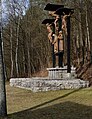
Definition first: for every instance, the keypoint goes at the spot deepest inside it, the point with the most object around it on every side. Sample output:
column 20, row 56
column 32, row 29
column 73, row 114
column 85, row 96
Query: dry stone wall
column 44, row 84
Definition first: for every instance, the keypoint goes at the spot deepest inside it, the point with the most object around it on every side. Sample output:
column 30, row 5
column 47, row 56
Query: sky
column 17, row 3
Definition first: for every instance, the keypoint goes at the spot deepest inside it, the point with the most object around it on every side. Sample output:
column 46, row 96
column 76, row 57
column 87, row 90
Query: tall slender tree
column 3, row 111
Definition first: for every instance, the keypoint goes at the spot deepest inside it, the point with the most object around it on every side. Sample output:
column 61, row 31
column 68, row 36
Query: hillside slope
column 85, row 72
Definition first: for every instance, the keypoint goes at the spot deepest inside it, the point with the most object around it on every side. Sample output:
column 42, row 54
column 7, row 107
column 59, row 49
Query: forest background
column 27, row 49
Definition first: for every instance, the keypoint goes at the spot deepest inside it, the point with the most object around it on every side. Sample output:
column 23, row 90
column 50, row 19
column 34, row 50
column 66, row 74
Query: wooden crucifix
column 66, row 14
column 51, row 30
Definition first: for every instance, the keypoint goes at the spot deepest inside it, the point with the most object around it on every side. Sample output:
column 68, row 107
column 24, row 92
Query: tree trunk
column 17, row 45
column 12, row 62
column 80, row 35
column 87, row 26
column 3, row 110
column 87, row 37
column 29, row 63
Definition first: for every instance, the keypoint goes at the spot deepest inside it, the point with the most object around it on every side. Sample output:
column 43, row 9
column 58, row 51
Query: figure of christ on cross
column 50, row 32
column 52, row 13
column 64, row 22
column 50, row 35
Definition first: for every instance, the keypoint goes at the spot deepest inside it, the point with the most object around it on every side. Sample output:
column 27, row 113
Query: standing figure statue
column 61, row 41
column 55, row 43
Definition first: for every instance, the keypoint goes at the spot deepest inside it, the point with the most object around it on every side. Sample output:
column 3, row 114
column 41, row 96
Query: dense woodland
column 27, row 49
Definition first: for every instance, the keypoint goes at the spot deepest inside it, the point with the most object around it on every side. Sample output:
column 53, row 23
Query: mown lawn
column 63, row 104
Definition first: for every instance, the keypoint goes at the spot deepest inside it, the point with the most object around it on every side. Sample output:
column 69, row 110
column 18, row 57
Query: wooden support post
column 53, row 54
column 60, row 54
column 61, row 59
column 68, row 46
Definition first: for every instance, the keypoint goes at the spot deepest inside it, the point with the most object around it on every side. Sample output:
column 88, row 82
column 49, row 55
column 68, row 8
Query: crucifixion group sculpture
column 58, row 28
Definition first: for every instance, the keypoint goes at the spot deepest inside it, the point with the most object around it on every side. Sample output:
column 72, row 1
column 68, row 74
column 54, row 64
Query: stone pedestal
column 61, row 73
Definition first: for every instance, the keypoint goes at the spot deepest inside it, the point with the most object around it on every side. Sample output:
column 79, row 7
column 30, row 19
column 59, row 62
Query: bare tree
column 3, row 111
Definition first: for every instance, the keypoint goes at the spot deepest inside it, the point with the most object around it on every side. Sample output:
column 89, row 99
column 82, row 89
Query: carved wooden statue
column 49, row 32
column 64, row 22
column 61, row 41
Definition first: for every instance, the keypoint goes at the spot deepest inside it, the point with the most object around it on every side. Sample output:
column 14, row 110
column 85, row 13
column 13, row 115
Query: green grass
column 63, row 104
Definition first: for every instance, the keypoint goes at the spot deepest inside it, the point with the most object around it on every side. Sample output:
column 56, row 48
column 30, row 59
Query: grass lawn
column 63, row 104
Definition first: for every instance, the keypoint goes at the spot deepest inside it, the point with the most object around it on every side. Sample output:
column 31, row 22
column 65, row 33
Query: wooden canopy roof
column 48, row 21
column 53, row 7
column 62, row 11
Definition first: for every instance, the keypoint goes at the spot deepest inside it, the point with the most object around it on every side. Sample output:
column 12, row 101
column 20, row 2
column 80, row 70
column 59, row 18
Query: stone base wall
column 44, row 84
column 61, row 73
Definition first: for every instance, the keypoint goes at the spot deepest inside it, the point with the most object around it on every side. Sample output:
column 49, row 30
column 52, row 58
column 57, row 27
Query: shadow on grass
column 66, row 110
column 63, row 96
